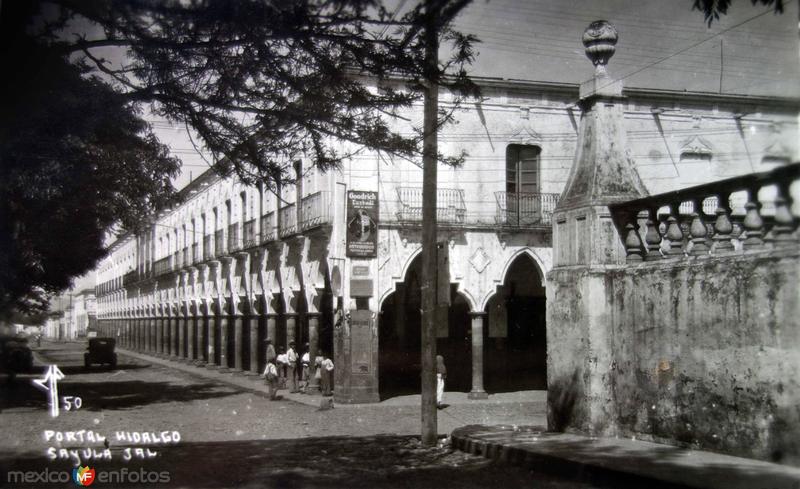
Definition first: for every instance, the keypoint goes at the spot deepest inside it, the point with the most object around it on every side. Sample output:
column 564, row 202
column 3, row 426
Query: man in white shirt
column 327, row 375
column 291, row 368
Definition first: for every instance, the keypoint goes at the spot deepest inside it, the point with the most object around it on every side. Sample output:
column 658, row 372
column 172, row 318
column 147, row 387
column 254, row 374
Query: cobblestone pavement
column 234, row 438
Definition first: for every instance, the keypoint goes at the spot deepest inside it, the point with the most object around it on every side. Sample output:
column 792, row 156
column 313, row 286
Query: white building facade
column 233, row 265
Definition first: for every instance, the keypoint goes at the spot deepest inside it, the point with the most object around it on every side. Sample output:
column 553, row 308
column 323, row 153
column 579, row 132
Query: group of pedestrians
column 295, row 369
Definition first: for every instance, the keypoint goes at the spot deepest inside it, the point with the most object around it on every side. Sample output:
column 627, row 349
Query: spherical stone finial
column 599, row 39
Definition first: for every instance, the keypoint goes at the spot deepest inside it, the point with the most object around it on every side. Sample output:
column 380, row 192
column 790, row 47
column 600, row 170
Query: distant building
column 212, row 278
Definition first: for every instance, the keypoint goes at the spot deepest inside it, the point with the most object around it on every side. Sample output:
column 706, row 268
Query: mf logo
column 83, row 476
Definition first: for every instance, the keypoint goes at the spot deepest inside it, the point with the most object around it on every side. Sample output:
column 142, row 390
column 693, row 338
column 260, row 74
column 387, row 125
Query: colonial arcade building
column 335, row 262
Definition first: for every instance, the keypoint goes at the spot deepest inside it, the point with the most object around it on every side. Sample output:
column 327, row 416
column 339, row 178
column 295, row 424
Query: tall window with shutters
column 523, row 205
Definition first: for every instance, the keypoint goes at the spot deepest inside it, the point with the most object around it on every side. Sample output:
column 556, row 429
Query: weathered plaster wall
column 701, row 352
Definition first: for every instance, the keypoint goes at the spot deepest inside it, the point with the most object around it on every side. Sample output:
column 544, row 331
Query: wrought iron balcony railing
column 316, row 210
column 234, row 241
column 525, row 209
column 219, row 242
column 288, row 220
column 162, row 266
column 268, row 227
column 249, row 236
column 208, row 247
column 450, row 207
column 130, row 278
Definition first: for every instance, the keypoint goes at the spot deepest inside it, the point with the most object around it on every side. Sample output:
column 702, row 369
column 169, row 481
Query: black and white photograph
column 306, row 244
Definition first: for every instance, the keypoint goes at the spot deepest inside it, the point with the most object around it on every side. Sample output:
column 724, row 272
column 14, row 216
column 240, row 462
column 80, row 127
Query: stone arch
column 540, row 264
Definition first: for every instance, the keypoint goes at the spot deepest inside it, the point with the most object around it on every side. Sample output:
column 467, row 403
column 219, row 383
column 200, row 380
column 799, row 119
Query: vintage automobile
column 100, row 351
column 15, row 354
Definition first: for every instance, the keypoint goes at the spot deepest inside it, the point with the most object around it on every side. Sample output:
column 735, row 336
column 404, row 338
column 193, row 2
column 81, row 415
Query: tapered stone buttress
column 238, row 346
column 477, row 391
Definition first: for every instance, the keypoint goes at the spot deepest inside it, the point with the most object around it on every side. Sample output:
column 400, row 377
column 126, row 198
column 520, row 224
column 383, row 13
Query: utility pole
column 429, row 184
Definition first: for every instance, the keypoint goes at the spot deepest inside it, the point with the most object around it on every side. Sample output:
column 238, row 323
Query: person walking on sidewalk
column 291, row 367
column 271, row 376
column 441, row 375
column 270, row 356
column 304, row 369
column 281, row 363
column 327, row 375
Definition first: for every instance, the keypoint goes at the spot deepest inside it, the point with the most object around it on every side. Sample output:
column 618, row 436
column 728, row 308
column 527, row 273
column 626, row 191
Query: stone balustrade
column 752, row 212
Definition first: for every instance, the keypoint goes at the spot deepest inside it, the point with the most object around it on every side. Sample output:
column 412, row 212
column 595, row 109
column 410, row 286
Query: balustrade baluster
column 753, row 223
column 674, row 235
column 722, row 230
column 698, row 233
column 653, row 237
column 633, row 243
column 784, row 224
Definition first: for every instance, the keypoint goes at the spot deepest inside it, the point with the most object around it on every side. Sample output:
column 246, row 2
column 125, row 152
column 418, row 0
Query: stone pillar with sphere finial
column 587, row 243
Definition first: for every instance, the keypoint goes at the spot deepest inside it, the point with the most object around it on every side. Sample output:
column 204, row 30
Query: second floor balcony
column 234, row 240
column 162, row 266
column 249, row 235
column 219, row 242
column 288, row 220
column 450, row 206
column 316, row 210
column 130, row 278
column 208, row 247
column 268, row 228
column 516, row 209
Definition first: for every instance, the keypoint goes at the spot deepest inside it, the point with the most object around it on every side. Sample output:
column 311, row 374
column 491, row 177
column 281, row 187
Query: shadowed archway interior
column 515, row 338
column 399, row 339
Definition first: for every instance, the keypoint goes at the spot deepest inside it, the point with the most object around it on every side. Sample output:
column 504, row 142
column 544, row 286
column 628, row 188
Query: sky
column 541, row 40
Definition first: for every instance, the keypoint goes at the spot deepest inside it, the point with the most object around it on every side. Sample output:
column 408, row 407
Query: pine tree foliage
column 261, row 82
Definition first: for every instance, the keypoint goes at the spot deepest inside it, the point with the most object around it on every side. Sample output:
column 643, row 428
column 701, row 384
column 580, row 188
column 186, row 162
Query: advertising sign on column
column 362, row 224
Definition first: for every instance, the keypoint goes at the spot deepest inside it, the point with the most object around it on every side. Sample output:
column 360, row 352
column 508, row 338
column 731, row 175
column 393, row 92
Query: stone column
column 238, row 326
column 272, row 329
column 211, row 340
column 291, row 328
column 137, row 333
column 313, row 347
column 172, row 334
column 252, row 328
column 191, row 328
column 200, row 323
column 150, row 326
column 586, row 246
column 182, row 322
column 160, row 335
column 477, row 391
column 223, row 322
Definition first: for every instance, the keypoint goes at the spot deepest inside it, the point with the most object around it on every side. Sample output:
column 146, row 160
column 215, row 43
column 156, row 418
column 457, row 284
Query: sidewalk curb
column 547, row 455
column 557, row 466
